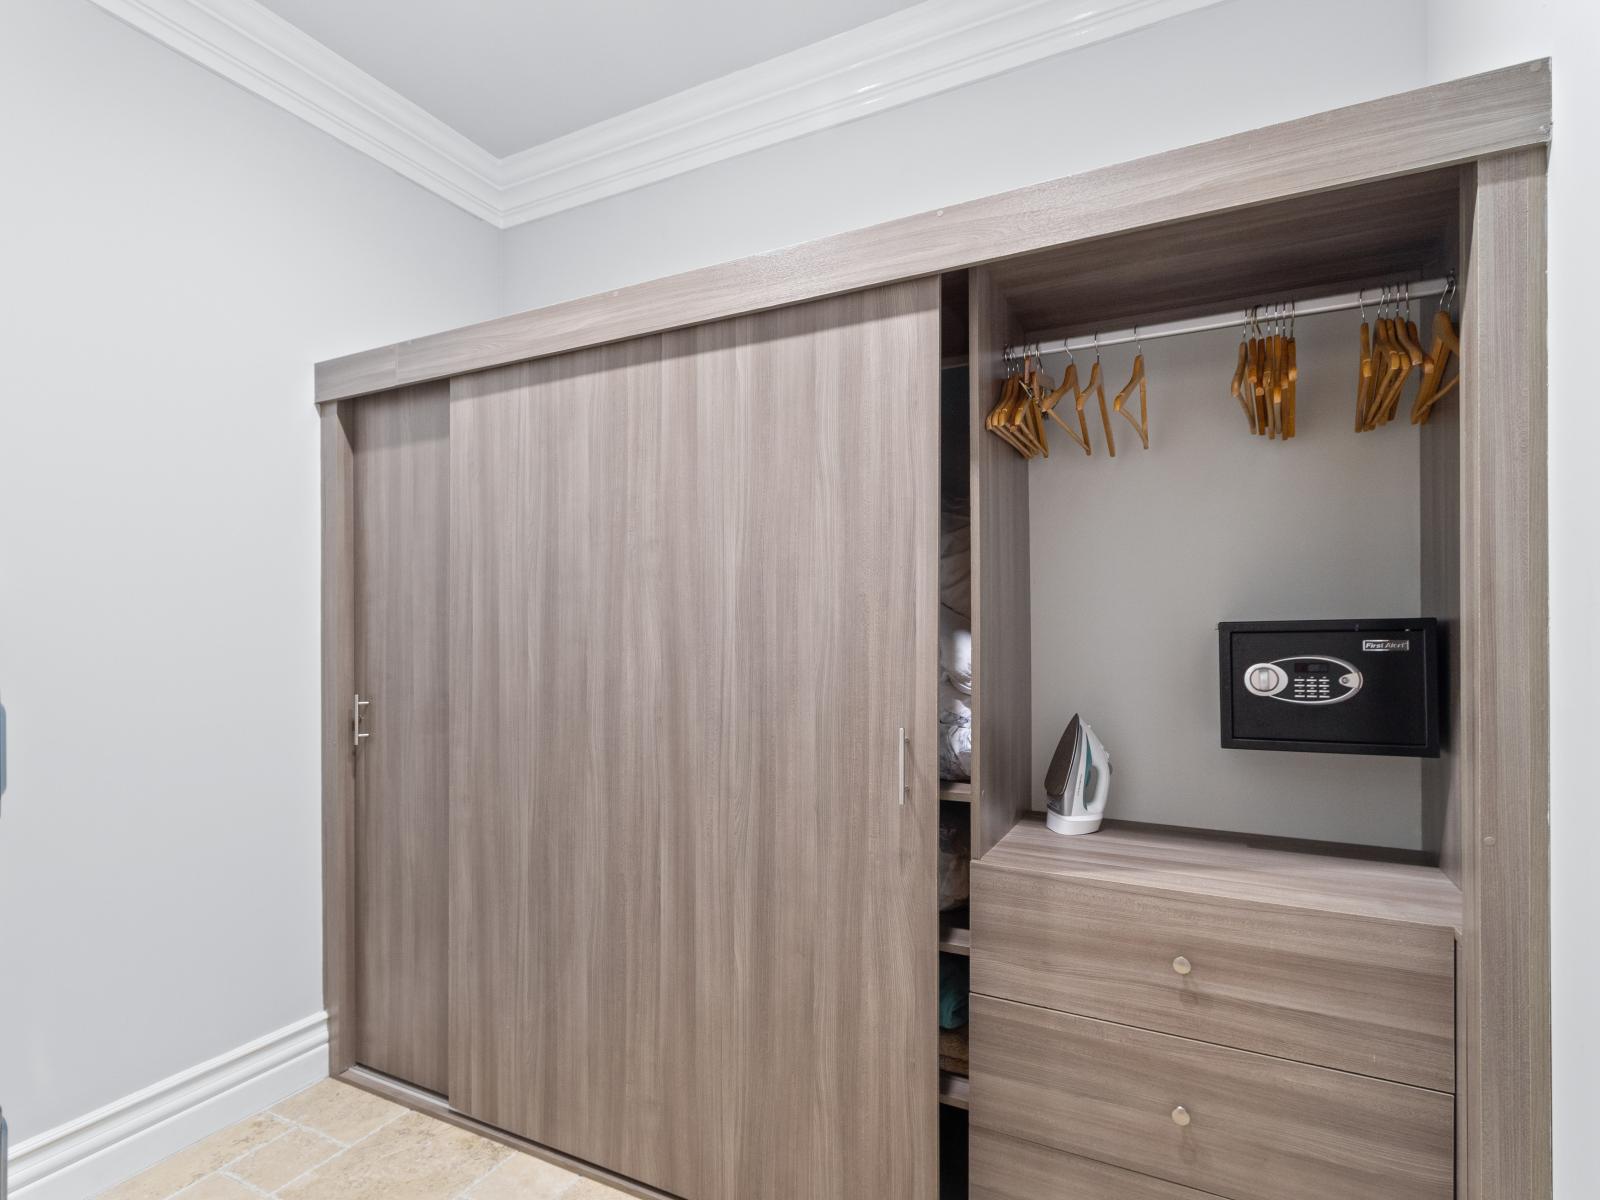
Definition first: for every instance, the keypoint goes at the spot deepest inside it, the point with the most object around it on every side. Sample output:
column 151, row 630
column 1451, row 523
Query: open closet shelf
column 953, row 1090
column 1228, row 866
column 1385, row 232
column 954, row 937
column 955, row 791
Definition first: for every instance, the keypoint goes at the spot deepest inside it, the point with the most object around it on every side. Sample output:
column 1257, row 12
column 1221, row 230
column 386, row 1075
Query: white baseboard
column 84, row 1157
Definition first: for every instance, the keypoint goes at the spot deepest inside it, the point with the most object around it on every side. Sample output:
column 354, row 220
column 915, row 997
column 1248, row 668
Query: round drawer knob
column 1180, row 1115
column 1182, row 965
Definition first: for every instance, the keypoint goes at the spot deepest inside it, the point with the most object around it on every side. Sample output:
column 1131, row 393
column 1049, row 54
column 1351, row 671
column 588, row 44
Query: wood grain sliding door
column 693, row 927
column 401, row 450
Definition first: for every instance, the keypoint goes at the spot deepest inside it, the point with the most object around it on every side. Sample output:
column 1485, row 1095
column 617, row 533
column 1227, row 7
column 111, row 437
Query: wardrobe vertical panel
column 693, row 603
column 402, row 506
column 564, row 537
column 1002, row 689
column 338, row 628
column 1505, row 947
column 1441, row 454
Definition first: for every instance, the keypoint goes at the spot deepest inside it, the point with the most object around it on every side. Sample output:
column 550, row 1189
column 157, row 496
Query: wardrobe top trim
column 1420, row 130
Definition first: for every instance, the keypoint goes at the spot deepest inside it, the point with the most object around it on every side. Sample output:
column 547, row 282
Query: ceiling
column 517, row 109
column 514, row 75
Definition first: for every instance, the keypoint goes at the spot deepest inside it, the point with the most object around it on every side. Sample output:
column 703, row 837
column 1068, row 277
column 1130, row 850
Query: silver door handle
column 903, row 786
column 355, row 720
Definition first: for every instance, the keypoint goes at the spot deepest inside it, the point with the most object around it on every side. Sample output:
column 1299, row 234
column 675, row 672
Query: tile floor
column 337, row 1142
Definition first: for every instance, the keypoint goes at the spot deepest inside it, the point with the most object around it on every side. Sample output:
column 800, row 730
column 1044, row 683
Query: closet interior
column 1243, row 417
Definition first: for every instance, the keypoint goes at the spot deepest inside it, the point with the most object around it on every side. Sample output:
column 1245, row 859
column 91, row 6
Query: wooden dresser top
column 1152, row 858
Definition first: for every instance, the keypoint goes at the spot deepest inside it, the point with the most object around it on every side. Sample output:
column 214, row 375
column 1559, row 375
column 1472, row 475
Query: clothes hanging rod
column 1369, row 297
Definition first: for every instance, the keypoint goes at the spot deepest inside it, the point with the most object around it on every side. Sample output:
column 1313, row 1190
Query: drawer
column 1006, row 1168
column 1257, row 1128
column 1351, row 992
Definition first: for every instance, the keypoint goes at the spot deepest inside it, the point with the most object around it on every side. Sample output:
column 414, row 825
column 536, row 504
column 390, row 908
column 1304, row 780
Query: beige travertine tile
column 523, row 1177
column 412, row 1158
column 183, row 1168
column 218, row 1187
column 344, row 1113
column 289, row 1157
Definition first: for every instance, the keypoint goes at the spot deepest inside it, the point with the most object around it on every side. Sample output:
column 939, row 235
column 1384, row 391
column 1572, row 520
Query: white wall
column 174, row 255
column 1217, row 71
column 1476, row 35
column 1135, row 560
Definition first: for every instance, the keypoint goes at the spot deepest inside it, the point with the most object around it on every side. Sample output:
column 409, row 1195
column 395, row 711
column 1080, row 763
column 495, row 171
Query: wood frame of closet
column 1495, row 127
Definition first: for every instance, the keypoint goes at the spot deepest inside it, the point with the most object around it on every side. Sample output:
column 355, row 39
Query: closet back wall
column 1135, row 560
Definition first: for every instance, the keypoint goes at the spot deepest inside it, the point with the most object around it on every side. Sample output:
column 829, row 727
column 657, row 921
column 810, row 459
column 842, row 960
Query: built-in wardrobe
column 632, row 708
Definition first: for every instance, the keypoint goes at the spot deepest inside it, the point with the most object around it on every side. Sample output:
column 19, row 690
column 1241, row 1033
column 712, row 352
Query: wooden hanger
column 1033, row 386
column 1364, row 377
column 1237, row 389
column 1385, row 364
column 1390, row 366
column 1069, row 385
column 1098, row 387
column 1018, row 415
column 1274, row 354
column 1403, row 332
column 998, row 421
column 1272, row 379
column 1291, row 375
column 1446, row 343
column 1256, row 374
column 1142, row 425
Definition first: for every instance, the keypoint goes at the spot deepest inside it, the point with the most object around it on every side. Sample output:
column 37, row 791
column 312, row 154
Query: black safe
column 1331, row 687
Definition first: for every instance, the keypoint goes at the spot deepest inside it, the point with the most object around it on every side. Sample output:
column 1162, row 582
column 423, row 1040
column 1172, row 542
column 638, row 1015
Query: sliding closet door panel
column 402, row 508
column 809, row 886
column 563, row 543
column 693, row 605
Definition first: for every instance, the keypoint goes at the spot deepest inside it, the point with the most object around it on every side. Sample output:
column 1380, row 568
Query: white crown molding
column 86, row 1156
column 906, row 56
column 261, row 52
column 917, row 52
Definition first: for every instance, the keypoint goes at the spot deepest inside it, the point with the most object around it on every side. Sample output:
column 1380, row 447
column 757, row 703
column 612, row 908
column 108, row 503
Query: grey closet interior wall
column 1136, row 559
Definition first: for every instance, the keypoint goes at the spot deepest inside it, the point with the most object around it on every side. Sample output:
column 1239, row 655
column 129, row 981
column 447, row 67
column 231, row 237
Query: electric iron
column 1078, row 781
